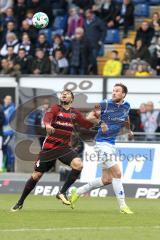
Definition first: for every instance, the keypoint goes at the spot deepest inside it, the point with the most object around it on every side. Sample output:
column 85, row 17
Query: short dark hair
column 68, row 90
column 124, row 88
column 115, row 51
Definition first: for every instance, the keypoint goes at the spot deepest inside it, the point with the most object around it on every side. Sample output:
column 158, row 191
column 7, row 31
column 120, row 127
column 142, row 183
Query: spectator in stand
column 26, row 44
column 23, row 61
column 4, row 66
column 108, row 13
column 79, row 53
column 136, row 125
column 156, row 59
column 113, row 67
column 2, row 119
column 8, row 132
column 8, row 16
column 10, row 54
column 29, row 16
column 125, row 16
column 134, row 66
column 155, row 19
column 11, row 28
column 74, row 20
column 145, row 33
column 42, row 43
column 149, row 120
column 19, row 11
column 142, row 52
column 95, row 33
column 57, row 43
column 4, row 4
column 41, row 64
column 142, row 71
column 96, row 8
column 30, row 30
column 42, row 6
column 155, row 40
column 8, row 68
column 59, row 62
column 129, row 53
column 11, row 40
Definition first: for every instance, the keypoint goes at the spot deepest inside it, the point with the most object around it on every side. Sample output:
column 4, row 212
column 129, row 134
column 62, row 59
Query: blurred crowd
column 7, row 110
column 75, row 38
column 146, row 120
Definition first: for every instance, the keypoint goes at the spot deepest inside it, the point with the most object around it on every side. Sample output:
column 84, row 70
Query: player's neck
column 66, row 106
column 119, row 102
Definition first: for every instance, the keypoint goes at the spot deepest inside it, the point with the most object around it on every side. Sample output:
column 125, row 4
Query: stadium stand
column 16, row 19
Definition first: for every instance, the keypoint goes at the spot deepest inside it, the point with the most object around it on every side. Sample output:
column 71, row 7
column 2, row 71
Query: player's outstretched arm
column 83, row 121
column 92, row 118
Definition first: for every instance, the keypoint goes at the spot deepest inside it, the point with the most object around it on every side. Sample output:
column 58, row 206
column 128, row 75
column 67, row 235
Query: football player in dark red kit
column 59, row 122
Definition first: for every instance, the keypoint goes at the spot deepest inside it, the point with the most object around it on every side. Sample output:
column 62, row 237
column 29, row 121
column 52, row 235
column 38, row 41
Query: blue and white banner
column 140, row 163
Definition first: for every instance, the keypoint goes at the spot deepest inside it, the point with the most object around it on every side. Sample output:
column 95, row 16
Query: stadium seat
column 60, row 22
column 154, row 2
column 141, row 10
column 112, row 36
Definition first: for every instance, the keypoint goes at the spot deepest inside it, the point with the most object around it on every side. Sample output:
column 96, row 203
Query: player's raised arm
column 83, row 121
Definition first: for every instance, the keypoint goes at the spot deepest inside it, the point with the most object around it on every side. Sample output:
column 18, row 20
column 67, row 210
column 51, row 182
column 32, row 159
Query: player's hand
column 130, row 135
column 104, row 127
column 92, row 117
column 50, row 130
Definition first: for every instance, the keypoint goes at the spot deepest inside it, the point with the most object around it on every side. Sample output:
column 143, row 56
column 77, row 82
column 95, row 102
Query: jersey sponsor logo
column 60, row 115
column 67, row 124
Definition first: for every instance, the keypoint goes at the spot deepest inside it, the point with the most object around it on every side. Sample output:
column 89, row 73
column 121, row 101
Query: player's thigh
column 70, row 157
column 106, row 154
column 115, row 171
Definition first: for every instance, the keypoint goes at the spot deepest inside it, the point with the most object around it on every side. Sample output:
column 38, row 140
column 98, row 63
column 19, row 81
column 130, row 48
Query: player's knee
column 37, row 175
column 77, row 164
column 118, row 174
column 106, row 180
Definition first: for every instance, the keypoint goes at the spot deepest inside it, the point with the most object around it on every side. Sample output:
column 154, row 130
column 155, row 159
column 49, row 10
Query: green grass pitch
column 45, row 218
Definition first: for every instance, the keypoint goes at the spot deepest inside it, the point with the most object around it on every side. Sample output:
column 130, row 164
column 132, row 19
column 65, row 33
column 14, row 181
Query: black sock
column 74, row 174
column 30, row 184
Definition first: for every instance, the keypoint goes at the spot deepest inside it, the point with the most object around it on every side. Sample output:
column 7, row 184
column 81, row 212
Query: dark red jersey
column 64, row 123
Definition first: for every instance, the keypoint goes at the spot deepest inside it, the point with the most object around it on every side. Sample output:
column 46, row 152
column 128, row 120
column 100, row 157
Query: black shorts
column 47, row 158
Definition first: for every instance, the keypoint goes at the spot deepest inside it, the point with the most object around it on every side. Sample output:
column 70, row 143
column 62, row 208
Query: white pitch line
column 78, row 228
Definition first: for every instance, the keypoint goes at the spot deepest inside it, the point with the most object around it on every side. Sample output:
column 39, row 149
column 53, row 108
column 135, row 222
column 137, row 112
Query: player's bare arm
column 128, row 126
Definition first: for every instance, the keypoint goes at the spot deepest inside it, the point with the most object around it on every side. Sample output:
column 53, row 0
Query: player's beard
column 65, row 103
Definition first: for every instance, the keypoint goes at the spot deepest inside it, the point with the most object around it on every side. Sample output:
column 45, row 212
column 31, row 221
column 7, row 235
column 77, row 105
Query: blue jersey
column 114, row 115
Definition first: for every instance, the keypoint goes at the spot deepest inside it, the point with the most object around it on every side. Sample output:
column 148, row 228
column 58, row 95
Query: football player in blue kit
column 114, row 115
